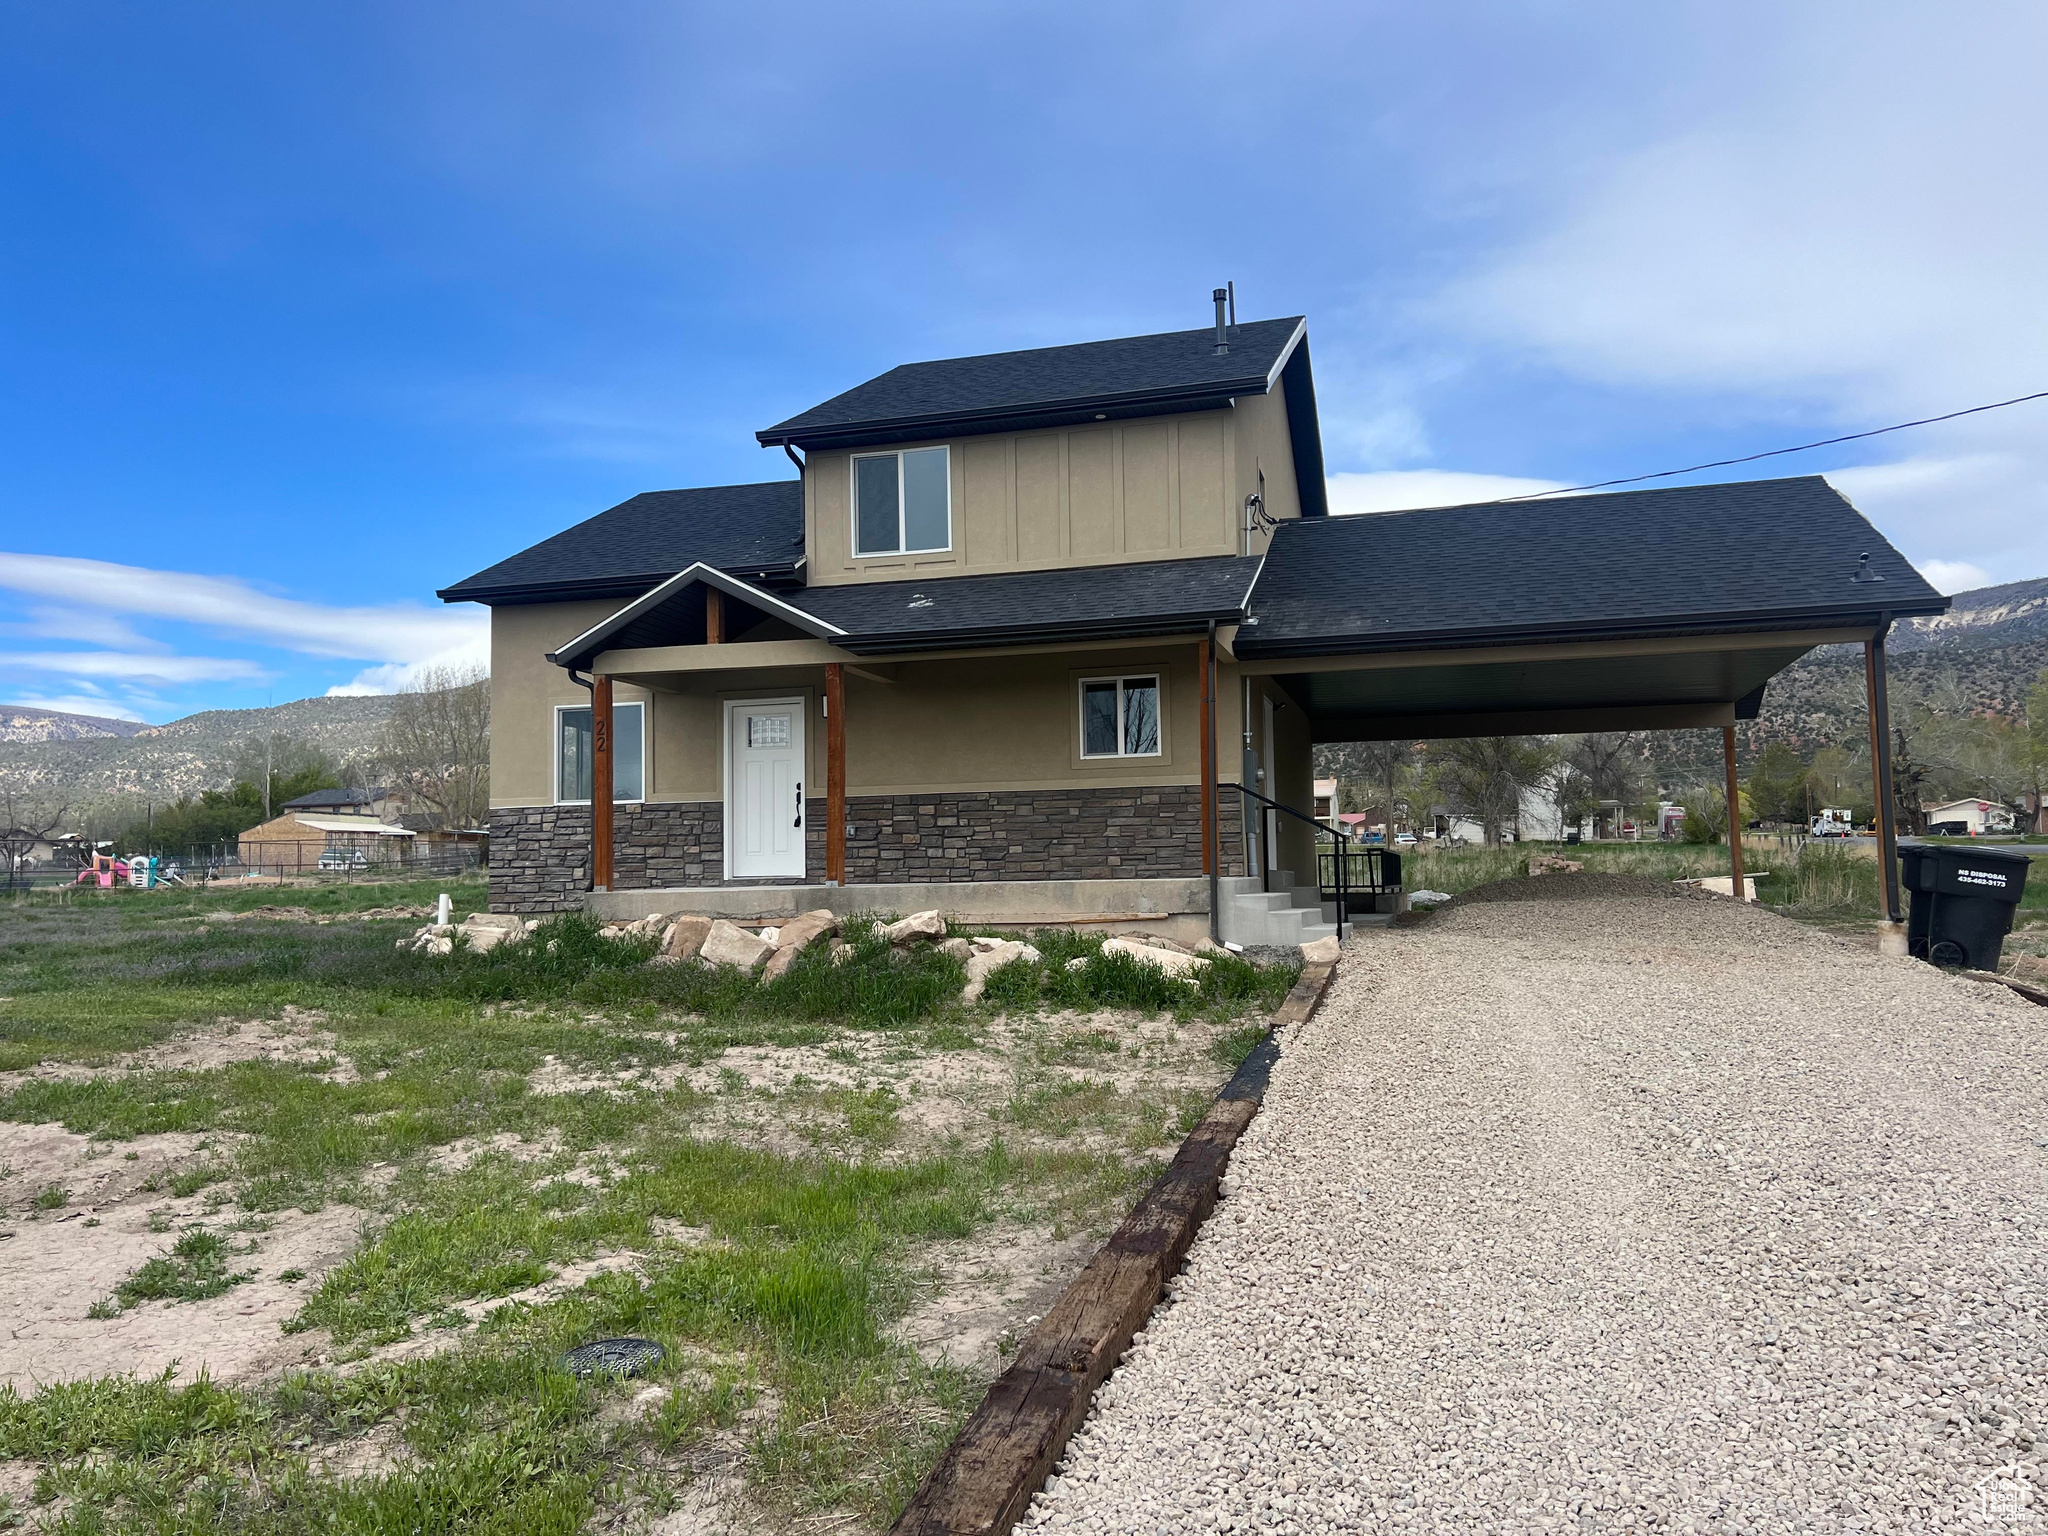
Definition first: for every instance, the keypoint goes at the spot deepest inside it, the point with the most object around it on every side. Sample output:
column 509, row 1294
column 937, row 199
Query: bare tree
column 27, row 817
column 1484, row 777
column 436, row 745
column 1381, row 766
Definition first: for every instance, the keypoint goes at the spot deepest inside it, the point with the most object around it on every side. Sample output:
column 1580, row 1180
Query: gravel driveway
column 1602, row 1214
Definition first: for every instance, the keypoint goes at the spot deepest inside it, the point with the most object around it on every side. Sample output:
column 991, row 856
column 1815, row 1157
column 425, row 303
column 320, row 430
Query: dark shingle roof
column 1154, row 597
column 750, row 530
column 1753, row 553
column 324, row 798
column 1047, row 386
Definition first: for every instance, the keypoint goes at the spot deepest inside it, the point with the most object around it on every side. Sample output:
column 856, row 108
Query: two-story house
column 1026, row 628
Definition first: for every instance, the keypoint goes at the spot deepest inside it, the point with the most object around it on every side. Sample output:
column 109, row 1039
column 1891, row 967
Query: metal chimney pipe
column 1222, row 297
column 1231, row 288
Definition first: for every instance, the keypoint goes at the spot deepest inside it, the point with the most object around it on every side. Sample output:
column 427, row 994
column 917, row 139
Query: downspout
column 1213, row 832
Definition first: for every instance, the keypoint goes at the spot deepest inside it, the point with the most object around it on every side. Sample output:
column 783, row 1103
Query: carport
column 1647, row 610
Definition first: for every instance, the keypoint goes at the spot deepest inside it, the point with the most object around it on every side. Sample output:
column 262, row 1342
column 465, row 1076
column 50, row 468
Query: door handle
column 799, row 804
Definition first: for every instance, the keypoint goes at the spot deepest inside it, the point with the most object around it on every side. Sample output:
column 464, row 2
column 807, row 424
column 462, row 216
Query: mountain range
column 85, row 759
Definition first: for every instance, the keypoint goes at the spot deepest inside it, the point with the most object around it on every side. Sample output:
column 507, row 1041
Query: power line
column 1751, row 458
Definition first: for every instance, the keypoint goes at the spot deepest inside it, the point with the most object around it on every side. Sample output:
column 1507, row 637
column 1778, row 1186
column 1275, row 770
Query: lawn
column 299, row 1223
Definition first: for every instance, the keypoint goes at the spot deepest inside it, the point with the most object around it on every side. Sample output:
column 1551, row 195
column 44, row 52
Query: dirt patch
column 302, row 915
column 1562, row 887
column 297, row 1037
column 990, row 1289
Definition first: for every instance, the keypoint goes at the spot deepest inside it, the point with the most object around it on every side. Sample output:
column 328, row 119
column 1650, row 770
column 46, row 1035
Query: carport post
column 1881, row 769
column 1737, row 889
column 600, row 782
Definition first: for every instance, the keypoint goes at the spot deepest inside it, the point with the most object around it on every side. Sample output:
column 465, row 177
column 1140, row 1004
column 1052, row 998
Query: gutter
column 1250, row 645
column 1208, row 395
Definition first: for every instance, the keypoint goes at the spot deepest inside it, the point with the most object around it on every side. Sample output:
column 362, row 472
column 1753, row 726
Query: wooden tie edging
column 1005, row 1452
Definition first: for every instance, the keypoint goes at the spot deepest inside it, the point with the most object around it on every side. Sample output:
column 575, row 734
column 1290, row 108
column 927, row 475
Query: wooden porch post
column 1205, row 661
column 1881, row 771
column 835, row 772
column 1740, row 891
column 714, row 616
column 600, row 783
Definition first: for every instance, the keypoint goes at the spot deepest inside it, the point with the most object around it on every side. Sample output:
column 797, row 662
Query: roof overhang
column 592, row 641
column 1019, row 418
column 1644, row 682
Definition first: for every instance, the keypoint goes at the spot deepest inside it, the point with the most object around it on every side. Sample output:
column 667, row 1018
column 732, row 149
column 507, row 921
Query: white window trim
column 1119, row 678
column 555, row 750
column 902, row 511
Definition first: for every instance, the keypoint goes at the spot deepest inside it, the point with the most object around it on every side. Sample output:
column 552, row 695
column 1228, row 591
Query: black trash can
column 1963, row 901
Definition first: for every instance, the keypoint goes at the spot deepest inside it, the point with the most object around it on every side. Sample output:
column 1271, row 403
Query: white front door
column 764, row 789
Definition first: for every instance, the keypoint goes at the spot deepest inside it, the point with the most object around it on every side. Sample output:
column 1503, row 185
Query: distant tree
column 2037, row 751
column 436, row 745
column 1382, row 768
column 27, row 817
column 1483, row 778
column 1595, row 767
column 289, row 766
column 1777, row 784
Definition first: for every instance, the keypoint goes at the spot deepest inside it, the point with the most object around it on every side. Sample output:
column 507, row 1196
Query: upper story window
column 574, row 754
column 902, row 503
column 1120, row 716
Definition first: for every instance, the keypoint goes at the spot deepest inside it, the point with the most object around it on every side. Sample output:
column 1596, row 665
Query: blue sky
column 307, row 311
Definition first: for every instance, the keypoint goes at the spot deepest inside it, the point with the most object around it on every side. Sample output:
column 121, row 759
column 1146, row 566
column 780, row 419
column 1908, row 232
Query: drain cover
column 621, row 1357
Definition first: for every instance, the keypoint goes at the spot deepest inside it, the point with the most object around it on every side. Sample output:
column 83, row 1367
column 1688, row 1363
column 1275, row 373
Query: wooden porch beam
column 835, row 773
column 1739, row 890
column 714, row 616
column 601, row 782
column 1205, row 666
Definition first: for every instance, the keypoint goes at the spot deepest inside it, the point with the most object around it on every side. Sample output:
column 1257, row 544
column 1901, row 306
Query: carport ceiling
column 1476, row 697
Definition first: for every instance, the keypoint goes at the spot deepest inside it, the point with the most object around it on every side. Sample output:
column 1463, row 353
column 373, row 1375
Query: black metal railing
column 1368, row 870
column 1340, row 857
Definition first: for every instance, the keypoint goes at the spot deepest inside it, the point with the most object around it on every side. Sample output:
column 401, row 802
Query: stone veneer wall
column 540, row 855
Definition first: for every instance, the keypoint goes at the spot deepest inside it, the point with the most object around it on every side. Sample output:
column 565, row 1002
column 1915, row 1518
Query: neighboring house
column 1966, row 818
column 1327, row 810
column 1023, row 623
column 384, row 804
column 296, row 840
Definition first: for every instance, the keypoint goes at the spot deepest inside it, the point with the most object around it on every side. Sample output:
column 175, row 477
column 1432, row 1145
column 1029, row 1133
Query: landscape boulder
column 728, row 943
column 796, row 936
column 485, row 931
column 985, row 961
column 960, row 949
column 686, row 936
column 1321, row 951
column 1553, row 864
column 1170, row 961
column 918, row 928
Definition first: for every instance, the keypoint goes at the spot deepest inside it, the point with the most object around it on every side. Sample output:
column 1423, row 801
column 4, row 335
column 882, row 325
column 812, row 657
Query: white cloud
column 1852, row 233
column 1953, row 576
column 399, row 632
column 94, row 600
column 84, row 704
column 45, row 623
column 157, row 668
column 1398, row 489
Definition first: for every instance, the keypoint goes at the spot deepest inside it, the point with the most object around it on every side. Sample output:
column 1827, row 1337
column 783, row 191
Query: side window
column 574, row 754
column 1120, row 716
column 902, row 503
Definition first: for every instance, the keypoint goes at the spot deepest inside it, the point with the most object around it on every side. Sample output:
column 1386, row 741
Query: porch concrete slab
column 1163, row 906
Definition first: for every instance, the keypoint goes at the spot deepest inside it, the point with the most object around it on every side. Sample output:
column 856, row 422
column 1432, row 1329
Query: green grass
column 777, row 1321
column 1225, row 989
column 197, row 1267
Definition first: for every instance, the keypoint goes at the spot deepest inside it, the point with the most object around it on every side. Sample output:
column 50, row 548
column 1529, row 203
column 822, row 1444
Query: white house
column 1967, row 818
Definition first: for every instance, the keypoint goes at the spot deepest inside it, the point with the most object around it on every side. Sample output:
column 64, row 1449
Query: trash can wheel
column 1949, row 955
